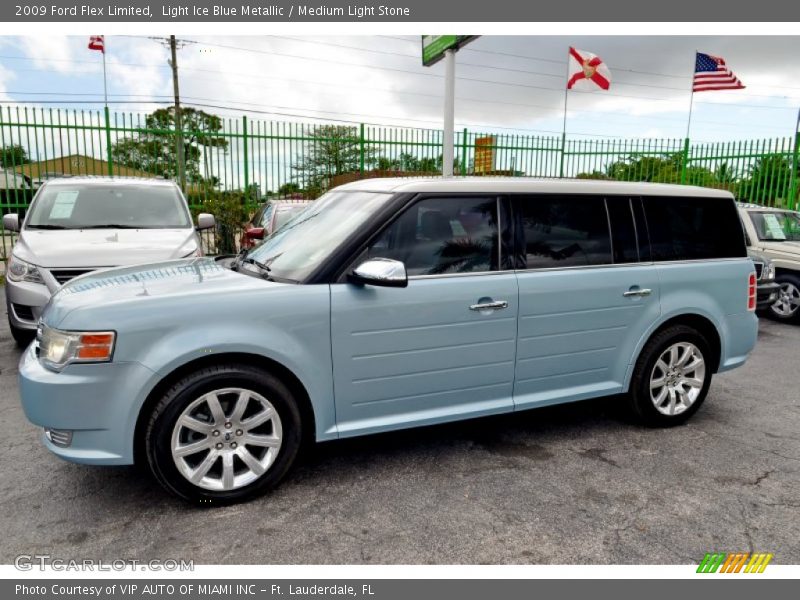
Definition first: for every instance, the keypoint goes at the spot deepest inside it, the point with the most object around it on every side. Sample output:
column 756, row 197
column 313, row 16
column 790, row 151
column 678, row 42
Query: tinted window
column 564, row 231
column 623, row 231
column 443, row 235
column 684, row 228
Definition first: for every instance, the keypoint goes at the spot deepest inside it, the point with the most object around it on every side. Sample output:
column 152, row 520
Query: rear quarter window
column 693, row 228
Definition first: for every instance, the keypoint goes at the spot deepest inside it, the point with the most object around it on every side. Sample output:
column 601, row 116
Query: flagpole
column 564, row 123
column 691, row 95
column 105, row 84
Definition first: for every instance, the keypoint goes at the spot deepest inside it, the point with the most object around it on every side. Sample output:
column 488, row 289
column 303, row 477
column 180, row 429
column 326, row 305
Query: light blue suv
column 388, row 304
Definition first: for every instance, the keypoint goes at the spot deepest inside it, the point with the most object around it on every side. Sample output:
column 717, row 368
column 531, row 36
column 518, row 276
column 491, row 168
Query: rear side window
column 623, row 230
column 563, row 231
column 686, row 228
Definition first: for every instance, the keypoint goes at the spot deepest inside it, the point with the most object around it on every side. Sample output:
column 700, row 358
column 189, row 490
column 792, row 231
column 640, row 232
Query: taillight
column 751, row 292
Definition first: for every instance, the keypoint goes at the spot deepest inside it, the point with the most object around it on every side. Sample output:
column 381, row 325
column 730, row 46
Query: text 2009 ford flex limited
column 388, row 304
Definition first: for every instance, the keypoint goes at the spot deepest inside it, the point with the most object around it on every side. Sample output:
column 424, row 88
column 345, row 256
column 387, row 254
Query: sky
column 505, row 84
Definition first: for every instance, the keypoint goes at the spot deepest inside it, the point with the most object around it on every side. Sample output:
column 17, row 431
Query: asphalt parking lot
column 570, row 484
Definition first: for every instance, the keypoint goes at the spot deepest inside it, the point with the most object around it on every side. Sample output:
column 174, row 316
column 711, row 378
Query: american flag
column 97, row 42
column 711, row 73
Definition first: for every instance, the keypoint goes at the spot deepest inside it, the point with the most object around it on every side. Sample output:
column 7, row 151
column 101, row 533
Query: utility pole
column 173, row 48
column 449, row 111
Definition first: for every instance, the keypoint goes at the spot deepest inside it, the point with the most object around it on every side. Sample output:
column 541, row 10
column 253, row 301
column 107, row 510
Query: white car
column 775, row 233
column 81, row 224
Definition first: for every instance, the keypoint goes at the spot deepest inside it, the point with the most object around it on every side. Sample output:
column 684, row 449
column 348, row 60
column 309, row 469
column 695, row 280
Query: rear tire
column 223, row 434
column 671, row 377
column 787, row 306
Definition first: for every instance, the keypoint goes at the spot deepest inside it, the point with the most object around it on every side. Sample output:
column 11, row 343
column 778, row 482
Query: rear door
column 428, row 352
column 587, row 294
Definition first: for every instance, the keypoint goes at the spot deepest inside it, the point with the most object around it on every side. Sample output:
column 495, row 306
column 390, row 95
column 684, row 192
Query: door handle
column 494, row 305
column 638, row 292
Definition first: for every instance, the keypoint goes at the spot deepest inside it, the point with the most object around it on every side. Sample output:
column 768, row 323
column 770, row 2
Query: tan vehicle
column 775, row 233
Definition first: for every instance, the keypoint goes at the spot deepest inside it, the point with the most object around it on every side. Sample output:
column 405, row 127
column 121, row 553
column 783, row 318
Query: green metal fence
column 233, row 164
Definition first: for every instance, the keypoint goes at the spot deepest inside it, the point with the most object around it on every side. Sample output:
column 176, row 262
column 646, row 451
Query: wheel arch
column 703, row 324
column 285, row 374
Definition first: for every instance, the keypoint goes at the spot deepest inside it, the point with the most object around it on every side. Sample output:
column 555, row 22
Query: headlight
column 59, row 348
column 769, row 271
column 19, row 270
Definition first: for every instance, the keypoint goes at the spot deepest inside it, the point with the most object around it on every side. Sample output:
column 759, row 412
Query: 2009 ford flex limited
column 389, row 304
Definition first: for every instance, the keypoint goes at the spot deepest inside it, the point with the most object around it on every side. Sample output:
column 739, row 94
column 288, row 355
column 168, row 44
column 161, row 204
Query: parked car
column 393, row 303
column 775, row 233
column 79, row 225
column 767, row 289
column 10, row 180
column 268, row 218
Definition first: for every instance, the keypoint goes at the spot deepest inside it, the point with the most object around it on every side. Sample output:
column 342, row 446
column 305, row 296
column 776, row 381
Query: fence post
column 361, row 150
column 246, row 162
column 108, row 143
column 464, row 153
column 685, row 161
column 563, row 152
column 793, row 173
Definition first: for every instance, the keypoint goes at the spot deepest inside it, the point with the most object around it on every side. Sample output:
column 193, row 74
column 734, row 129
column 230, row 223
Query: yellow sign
column 484, row 155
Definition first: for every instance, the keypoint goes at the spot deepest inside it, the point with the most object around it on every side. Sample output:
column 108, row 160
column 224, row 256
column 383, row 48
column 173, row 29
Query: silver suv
column 775, row 233
column 78, row 225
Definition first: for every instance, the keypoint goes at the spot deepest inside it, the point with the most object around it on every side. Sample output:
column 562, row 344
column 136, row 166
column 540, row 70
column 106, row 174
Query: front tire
column 671, row 377
column 223, row 434
column 787, row 306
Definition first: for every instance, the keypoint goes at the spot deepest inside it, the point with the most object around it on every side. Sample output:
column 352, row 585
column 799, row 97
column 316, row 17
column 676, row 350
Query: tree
column 13, row 156
column 770, row 180
column 153, row 150
column 289, row 188
column 335, row 149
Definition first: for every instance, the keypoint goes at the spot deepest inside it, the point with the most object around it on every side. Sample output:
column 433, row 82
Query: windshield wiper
column 265, row 270
column 45, row 227
column 110, row 226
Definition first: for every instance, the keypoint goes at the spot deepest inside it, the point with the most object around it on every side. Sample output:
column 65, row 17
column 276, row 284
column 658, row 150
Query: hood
column 147, row 289
column 103, row 247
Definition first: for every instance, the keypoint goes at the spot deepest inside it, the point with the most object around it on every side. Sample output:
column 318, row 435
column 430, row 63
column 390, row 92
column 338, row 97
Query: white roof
column 105, row 180
column 512, row 185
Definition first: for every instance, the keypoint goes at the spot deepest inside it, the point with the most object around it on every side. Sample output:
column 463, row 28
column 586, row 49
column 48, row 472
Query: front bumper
column 25, row 302
column 98, row 403
column 766, row 294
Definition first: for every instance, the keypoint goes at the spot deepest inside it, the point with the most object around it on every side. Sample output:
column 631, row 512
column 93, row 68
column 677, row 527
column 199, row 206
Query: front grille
column 759, row 269
column 59, row 437
column 62, row 276
column 23, row 312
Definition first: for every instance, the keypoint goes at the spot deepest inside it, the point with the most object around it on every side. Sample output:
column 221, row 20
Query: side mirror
column 206, row 221
column 383, row 272
column 11, row 222
column 256, row 233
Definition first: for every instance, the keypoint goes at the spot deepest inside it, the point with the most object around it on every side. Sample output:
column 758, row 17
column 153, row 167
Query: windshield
column 296, row 250
column 777, row 226
column 284, row 215
column 109, row 206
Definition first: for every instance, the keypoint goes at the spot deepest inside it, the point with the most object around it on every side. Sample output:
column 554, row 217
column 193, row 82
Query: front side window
column 687, row 228
column 100, row 206
column 439, row 236
column 564, row 231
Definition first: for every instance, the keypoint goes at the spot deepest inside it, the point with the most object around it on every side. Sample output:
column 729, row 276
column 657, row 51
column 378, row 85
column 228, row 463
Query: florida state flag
column 587, row 71
column 97, row 42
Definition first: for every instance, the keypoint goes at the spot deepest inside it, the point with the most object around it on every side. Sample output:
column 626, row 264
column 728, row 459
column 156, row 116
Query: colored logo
column 734, row 562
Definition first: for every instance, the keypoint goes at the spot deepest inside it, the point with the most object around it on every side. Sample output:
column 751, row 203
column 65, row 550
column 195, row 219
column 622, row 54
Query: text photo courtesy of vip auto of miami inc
column 397, row 299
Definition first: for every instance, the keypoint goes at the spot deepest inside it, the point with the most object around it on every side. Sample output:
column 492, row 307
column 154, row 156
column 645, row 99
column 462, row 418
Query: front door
column 432, row 351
